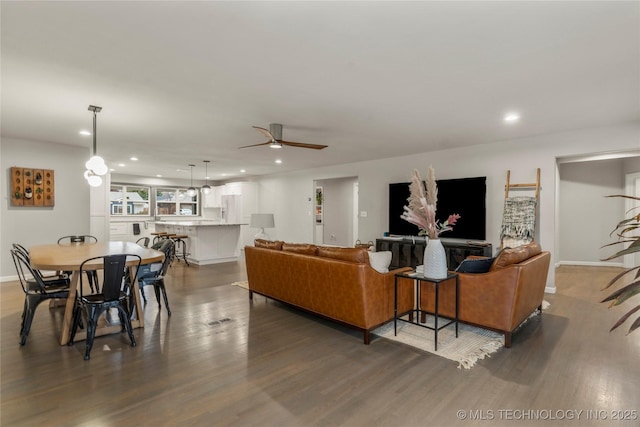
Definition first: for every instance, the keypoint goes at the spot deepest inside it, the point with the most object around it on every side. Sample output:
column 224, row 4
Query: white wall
column 337, row 212
column 287, row 194
column 586, row 217
column 36, row 225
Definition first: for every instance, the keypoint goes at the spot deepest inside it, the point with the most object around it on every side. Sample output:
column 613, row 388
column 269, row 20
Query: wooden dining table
column 69, row 256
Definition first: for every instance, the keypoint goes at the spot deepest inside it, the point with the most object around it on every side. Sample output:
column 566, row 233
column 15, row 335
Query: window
column 175, row 201
column 129, row 200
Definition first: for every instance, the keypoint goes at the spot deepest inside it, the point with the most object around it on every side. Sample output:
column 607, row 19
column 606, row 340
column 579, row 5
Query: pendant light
column 191, row 191
column 206, row 188
column 96, row 166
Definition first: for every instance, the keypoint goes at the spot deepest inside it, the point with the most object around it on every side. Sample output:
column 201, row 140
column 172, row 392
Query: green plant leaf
column 633, row 248
column 624, row 196
column 623, row 294
column 625, row 317
column 634, row 326
column 620, row 275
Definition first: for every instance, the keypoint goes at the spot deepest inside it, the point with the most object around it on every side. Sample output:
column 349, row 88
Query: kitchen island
column 209, row 242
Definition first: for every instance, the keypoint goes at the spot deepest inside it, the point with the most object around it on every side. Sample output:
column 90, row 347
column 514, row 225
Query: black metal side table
column 419, row 278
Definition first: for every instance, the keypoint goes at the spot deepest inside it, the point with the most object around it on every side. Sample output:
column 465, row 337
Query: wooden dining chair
column 113, row 295
column 35, row 291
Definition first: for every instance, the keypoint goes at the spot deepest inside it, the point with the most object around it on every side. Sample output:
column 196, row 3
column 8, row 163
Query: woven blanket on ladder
column 518, row 221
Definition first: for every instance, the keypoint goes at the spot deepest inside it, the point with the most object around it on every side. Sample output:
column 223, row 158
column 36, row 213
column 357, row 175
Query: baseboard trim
column 550, row 290
column 591, row 263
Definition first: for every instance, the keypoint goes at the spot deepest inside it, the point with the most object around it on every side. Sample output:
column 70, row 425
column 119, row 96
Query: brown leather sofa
column 336, row 283
column 500, row 299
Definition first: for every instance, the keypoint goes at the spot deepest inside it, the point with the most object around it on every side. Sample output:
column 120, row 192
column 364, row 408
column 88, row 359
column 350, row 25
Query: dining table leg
column 135, row 291
column 67, row 320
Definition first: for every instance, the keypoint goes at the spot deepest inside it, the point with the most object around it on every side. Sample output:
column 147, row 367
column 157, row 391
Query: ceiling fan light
column 275, row 144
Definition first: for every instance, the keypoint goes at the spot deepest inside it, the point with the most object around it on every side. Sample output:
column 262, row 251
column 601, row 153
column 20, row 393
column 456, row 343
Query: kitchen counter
column 209, row 242
column 198, row 223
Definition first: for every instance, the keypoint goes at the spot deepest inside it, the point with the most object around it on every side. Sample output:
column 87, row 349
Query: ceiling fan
column 274, row 133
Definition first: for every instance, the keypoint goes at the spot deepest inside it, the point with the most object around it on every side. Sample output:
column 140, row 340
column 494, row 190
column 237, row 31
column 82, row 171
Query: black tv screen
column 464, row 196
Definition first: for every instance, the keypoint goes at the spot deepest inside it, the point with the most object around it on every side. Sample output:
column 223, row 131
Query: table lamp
column 262, row 221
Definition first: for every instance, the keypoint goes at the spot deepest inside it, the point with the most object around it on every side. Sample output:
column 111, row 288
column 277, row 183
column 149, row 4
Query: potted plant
column 627, row 232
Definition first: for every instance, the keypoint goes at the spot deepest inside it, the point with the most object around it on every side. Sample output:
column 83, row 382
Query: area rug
column 243, row 284
column 472, row 344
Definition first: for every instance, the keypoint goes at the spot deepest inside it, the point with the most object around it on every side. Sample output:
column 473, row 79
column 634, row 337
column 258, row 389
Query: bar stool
column 181, row 245
column 158, row 235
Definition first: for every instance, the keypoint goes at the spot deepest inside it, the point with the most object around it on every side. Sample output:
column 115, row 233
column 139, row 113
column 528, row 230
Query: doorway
column 335, row 214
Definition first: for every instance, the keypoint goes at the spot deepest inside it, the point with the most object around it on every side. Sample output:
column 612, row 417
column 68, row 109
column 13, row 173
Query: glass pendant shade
column 97, row 165
column 206, row 188
column 191, row 191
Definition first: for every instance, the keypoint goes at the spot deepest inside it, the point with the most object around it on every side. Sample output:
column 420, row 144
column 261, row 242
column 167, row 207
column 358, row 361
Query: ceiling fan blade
column 303, row 145
column 265, row 132
column 256, row 145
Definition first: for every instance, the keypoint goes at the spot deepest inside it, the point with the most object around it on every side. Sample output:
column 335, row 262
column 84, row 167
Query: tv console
column 408, row 251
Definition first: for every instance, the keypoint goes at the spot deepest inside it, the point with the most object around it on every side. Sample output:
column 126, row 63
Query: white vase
column 435, row 260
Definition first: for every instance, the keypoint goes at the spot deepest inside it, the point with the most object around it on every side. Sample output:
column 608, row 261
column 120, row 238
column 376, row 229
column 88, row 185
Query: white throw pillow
column 380, row 261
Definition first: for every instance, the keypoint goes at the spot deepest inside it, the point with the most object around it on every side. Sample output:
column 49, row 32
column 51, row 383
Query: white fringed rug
column 472, row 344
column 244, row 284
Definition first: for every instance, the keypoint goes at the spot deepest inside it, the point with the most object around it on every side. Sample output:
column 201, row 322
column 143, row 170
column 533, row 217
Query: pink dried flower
column 421, row 210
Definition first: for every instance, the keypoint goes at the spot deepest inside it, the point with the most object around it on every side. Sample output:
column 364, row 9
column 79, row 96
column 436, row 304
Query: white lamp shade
column 260, row 220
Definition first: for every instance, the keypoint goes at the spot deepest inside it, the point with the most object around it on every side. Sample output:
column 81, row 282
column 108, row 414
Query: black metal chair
column 86, row 238
column 113, row 295
column 35, row 291
column 52, row 280
column 143, row 241
column 153, row 274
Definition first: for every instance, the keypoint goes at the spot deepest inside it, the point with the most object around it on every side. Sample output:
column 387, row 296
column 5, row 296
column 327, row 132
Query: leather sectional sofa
column 336, row 283
column 503, row 297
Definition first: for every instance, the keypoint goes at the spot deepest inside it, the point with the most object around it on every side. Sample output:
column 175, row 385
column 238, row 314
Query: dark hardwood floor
column 221, row 360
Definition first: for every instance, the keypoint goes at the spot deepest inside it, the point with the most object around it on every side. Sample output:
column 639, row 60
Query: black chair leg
column 30, row 305
column 164, row 295
column 127, row 324
column 92, row 319
column 77, row 316
column 156, row 289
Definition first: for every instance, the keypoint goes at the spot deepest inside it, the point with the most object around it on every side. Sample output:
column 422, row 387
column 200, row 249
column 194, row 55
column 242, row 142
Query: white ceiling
column 182, row 82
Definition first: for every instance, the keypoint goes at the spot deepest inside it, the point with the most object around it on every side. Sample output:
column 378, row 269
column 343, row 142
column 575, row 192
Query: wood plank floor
column 223, row 361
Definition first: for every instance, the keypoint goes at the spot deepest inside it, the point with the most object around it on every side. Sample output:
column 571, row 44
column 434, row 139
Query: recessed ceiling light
column 85, row 132
column 242, row 171
column 159, row 176
column 223, row 174
column 134, row 159
column 121, row 165
column 111, row 170
column 511, row 117
column 278, row 161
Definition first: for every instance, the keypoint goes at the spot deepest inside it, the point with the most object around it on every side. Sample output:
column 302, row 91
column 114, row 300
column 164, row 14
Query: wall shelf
column 32, row 187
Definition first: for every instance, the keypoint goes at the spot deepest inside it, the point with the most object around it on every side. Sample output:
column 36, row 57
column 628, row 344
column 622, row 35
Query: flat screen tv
column 464, row 196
